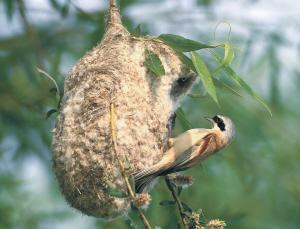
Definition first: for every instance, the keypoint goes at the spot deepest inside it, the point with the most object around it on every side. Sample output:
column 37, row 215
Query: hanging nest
column 114, row 71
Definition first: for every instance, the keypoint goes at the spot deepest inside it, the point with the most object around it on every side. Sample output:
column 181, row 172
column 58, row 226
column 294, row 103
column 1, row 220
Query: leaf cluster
column 209, row 76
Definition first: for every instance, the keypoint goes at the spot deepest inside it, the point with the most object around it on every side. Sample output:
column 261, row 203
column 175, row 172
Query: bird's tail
column 144, row 178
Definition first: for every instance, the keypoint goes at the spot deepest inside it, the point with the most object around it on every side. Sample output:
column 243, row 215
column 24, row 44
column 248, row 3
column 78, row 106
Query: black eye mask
column 219, row 122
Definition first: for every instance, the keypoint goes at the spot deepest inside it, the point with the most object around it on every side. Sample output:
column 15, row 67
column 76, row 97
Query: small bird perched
column 188, row 149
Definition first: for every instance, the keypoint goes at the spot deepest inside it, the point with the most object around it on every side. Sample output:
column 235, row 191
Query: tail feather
column 143, row 179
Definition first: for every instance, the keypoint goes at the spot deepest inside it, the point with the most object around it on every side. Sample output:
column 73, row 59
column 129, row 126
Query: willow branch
column 114, row 16
column 170, row 127
column 121, row 165
column 170, row 186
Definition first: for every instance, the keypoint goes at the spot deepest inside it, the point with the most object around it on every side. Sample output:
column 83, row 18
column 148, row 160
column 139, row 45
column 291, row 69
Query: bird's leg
column 171, row 124
column 171, row 142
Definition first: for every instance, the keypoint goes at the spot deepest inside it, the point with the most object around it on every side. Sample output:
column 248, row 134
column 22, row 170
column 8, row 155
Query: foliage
column 153, row 63
column 252, row 184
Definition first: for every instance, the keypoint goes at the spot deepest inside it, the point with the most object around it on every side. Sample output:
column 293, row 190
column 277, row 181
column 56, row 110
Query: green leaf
column 137, row 32
column 153, row 63
column 228, row 57
column 10, row 7
column 181, row 116
column 50, row 112
column 228, row 54
column 182, row 44
column 239, row 81
column 197, row 96
column 206, row 77
column 186, row 60
column 112, row 191
column 222, row 85
column 55, row 4
column 247, row 88
column 65, row 10
column 167, row 203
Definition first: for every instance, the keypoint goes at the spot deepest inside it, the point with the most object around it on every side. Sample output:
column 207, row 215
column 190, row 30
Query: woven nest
column 114, row 70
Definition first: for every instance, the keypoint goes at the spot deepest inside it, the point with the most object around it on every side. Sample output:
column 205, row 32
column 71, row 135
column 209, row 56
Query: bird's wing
column 187, row 139
column 191, row 156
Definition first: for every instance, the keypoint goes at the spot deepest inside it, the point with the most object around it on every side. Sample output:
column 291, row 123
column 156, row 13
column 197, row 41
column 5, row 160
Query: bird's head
column 224, row 125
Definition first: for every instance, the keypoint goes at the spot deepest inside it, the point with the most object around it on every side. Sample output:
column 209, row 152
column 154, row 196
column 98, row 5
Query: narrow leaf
column 181, row 116
column 50, row 112
column 167, row 203
column 182, row 44
column 228, row 54
column 186, row 60
column 55, row 4
column 204, row 73
column 222, row 85
column 227, row 59
column 247, row 88
column 64, row 10
column 153, row 63
column 234, row 76
column 197, row 96
column 10, row 7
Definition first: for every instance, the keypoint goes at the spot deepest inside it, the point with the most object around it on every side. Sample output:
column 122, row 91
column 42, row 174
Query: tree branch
column 170, row 186
column 170, row 127
column 121, row 165
column 114, row 16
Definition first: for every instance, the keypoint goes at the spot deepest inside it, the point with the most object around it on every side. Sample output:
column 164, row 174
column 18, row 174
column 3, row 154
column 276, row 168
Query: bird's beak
column 210, row 120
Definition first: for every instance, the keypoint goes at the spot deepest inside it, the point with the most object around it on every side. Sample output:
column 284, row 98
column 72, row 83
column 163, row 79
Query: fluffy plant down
column 114, row 70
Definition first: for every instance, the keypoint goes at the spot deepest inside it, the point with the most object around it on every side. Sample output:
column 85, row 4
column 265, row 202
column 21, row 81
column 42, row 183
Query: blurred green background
column 254, row 183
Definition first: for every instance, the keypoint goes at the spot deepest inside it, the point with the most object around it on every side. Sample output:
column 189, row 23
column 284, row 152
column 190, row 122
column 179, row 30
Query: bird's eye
column 182, row 81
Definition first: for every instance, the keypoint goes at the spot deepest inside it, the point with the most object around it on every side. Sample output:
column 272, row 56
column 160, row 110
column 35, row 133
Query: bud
column 142, row 200
column 216, row 224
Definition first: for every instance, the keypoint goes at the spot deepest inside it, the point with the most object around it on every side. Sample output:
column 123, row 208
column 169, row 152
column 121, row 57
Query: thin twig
column 114, row 16
column 178, row 202
column 122, row 168
column 52, row 79
column 170, row 127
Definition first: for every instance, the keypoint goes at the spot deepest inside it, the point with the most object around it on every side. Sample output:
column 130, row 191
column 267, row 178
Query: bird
column 188, row 149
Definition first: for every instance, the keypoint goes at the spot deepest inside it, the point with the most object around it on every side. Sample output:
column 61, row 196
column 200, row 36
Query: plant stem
column 170, row 127
column 121, row 165
column 114, row 16
column 178, row 202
